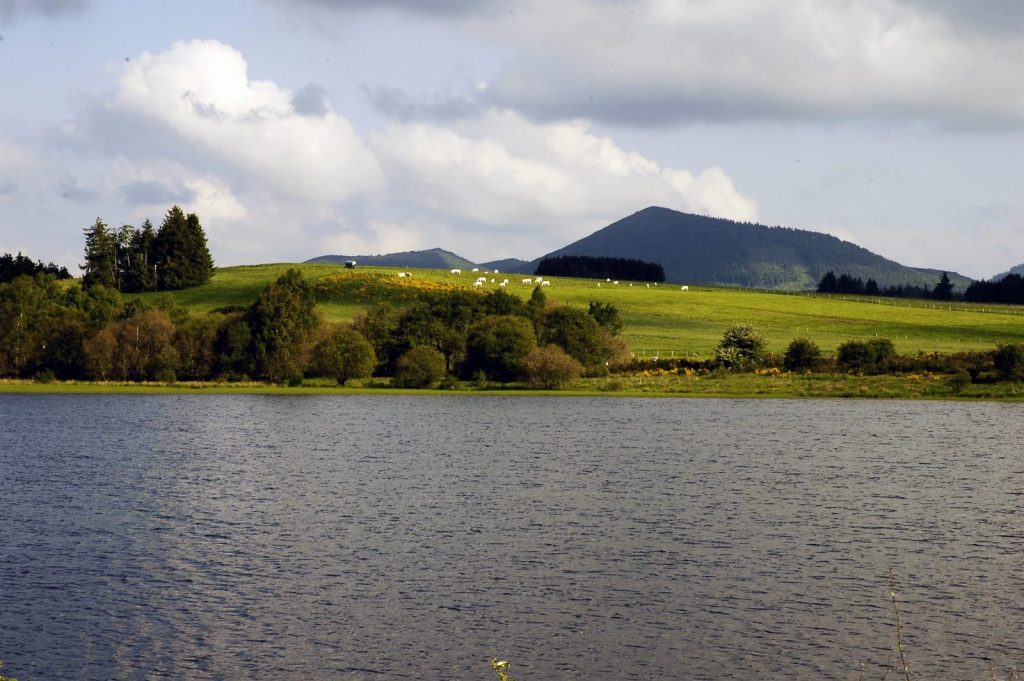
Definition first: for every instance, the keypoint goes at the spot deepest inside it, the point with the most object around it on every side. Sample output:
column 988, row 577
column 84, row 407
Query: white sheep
column 478, row 284
column 476, row 269
column 502, row 284
column 527, row 281
column 684, row 288
column 545, row 283
column 456, row 271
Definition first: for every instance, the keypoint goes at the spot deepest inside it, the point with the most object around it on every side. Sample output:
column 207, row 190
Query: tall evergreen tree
column 182, row 257
column 100, row 266
column 944, row 289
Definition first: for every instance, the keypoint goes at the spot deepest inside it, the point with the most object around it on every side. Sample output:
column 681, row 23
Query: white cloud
column 201, row 90
column 554, row 181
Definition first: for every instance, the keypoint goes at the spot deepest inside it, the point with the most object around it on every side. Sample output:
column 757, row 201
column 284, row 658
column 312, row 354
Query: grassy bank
column 781, row 386
column 665, row 321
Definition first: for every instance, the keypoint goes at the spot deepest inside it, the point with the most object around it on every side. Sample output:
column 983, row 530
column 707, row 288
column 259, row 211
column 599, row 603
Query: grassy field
column 665, row 321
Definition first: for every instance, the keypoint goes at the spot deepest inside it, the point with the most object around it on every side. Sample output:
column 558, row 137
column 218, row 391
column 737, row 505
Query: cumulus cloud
column 201, row 91
column 549, row 182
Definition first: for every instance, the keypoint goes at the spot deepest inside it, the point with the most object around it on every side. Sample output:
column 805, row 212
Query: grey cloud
column 997, row 16
column 7, row 188
column 73, row 190
column 427, row 7
column 310, row 100
column 398, row 104
column 152, row 192
column 11, row 9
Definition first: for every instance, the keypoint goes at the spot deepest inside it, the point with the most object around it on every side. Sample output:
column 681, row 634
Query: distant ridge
column 435, row 258
column 715, row 251
column 1019, row 269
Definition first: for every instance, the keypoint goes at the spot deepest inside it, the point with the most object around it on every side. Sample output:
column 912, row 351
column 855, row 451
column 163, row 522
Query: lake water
column 236, row 537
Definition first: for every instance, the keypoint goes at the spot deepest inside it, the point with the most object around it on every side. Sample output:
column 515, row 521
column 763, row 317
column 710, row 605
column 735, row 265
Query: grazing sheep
column 502, row 284
column 684, row 288
column 456, row 271
column 476, row 269
column 401, row 275
column 545, row 283
column 616, row 282
column 527, row 281
column 478, row 284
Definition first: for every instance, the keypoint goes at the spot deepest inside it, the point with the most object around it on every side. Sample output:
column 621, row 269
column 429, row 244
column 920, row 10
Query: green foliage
column 27, row 306
column 281, row 322
column 420, row 367
column 944, row 289
column 802, row 354
column 182, row 257
column 576, row 332
column 343, row 354
column 607, row 316
column 139, row 348
column 100, row 268
column 742, row 347
column 871, row 357
column 551, row 368
column 497, row 346
column 1009, row 360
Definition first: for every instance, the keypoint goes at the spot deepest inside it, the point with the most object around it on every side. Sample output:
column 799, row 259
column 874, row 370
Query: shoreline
column 739, row 386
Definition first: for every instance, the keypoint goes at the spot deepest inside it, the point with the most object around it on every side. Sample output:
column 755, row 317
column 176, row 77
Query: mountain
column 509, row 265
column 1019, row 269
column 435, row 258
column 705, row 250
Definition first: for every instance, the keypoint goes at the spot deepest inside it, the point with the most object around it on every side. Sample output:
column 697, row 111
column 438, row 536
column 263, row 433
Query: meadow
column 662, row 320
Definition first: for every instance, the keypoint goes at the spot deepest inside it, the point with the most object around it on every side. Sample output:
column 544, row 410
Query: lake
column 339, row 537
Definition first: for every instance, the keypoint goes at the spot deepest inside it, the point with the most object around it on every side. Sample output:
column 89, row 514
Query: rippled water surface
column 148, row 537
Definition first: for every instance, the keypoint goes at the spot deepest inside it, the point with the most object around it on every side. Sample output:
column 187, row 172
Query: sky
column 494, row 129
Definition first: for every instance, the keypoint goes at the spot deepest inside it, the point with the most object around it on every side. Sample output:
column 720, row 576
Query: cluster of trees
column 1009, row 289
column 49, row 331
column 12, row 266
column 590, row 267
column 130, row 259
column 848, row 284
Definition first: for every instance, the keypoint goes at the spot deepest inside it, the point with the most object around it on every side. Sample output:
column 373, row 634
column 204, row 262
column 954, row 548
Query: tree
column 944, row 289
column 607, row 315
column 741, row 347
column 802, row 354
column 182, row 256
column 497, row 346
column 420, row 367
column 343, row 354
column 100, row 268
column 282, row 321
column 828, row 283
column 551, row 368
column 576, row 332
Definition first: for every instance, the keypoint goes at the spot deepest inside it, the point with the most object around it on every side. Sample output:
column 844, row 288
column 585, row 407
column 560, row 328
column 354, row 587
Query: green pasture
column 666, row 321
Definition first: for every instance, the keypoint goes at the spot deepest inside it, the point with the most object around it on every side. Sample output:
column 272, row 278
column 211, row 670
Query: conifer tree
column 100, row 266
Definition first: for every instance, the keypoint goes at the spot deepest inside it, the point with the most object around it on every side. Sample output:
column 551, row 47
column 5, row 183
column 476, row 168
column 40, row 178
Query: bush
column 876, row 356
column 551, row 368
column 420, row 367
column 959, row 381
column 802, row 354
column 741, row 347
column 1009, row 360
column 497, row 345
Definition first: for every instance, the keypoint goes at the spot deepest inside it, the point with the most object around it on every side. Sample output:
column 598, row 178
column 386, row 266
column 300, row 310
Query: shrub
column 551, row 368
column 420, row 367
column 875, row 356
column 802, row 354
column 741, row 347
column 497, row 345
column 959, row 381
column 1009, row 360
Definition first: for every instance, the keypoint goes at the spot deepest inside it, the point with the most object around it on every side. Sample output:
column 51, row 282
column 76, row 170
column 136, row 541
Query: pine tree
column 182, row 257
column 100, row 266
column 944, row 289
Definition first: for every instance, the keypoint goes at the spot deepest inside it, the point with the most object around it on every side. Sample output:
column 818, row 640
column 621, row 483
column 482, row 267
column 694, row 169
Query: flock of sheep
column 526, row 281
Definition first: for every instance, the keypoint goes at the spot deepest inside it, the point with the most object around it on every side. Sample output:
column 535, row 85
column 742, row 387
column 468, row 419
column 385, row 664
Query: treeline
column 12, row 266
column 131, row 260
column 592, row 267
column 52, row 332
column 1009, row 289
column 845, row 283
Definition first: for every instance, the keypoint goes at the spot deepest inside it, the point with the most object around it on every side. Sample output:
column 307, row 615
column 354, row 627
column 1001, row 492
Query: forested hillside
column 706, row 250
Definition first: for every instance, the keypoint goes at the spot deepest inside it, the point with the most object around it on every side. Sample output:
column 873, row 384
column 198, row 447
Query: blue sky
column 498, row 129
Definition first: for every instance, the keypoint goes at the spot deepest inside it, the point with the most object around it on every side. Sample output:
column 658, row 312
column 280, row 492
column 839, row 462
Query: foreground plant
column 500, row 668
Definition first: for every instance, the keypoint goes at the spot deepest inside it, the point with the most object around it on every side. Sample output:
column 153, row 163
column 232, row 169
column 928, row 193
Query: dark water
column 390, row 538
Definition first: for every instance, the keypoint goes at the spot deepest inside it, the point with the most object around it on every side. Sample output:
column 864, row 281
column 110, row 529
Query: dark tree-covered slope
column 706, row 250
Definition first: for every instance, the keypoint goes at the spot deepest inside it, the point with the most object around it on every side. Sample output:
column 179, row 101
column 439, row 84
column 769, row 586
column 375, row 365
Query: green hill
column 660, row 320
column 714, row 251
